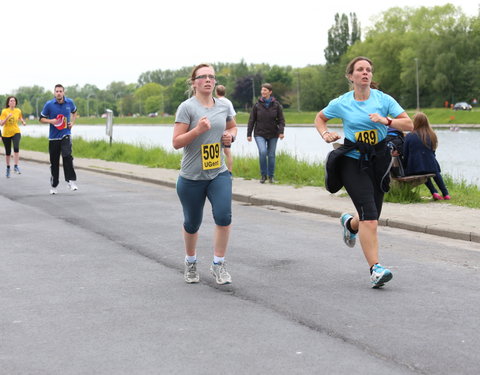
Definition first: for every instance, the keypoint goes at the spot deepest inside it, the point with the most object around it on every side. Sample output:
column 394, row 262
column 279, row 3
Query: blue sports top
column 52, row 109
column 355, row 114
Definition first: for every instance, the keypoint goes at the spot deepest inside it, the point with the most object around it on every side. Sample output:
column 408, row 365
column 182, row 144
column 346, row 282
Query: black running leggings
column 365, row 195
column 7, row 142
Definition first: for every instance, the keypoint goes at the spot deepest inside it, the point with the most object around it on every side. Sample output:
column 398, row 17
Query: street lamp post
column 298, row 91
column 253, row 91
column 418, row 90
column 115, row 98
column 36, row 105
column 88, row 104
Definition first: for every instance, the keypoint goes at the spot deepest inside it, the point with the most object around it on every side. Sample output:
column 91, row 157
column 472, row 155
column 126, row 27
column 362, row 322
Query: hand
column 249, row 139
column 281, row 136
column 375, row 117
column 331, row 137
column 203, row 125
column 69, row 125
column 227, row 139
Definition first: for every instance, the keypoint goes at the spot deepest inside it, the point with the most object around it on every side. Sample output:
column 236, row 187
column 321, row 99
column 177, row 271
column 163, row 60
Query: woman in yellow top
column 11, row 132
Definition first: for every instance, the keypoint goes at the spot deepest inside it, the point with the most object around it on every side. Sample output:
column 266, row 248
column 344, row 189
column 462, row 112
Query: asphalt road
column 91, row 282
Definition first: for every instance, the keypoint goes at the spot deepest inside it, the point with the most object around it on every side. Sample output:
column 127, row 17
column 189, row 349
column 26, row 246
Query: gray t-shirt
column 203, row 159
column 232, row 110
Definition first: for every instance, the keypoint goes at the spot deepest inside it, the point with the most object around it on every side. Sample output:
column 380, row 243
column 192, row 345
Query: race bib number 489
column 367, row 136
column 211, row 156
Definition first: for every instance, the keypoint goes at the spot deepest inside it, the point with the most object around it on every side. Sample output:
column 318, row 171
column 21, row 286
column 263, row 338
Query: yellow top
column 10, row 128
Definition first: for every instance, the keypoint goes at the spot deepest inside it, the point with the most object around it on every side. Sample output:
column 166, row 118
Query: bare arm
column 182, row 136
column 402, row 122
column 45, row 120
column 230, row 132
column 321, row 125
column 73, row 118
column 2, row 122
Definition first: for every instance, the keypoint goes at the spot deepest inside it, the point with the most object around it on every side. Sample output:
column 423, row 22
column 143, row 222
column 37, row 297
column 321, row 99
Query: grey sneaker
column 348, row 237
column 220, row 272
column 191, row 275
column 53, row 191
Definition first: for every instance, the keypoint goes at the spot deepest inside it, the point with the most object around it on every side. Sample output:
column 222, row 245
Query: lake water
column 457, row 152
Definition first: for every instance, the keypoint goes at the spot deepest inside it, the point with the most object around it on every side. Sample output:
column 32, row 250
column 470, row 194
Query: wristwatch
column 389, row 121
column 233, row 138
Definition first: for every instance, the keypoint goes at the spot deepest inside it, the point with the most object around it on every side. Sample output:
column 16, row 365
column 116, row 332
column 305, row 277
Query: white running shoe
column 72, row 185
column 191, row 275
column 220, row 273
column 53, row 191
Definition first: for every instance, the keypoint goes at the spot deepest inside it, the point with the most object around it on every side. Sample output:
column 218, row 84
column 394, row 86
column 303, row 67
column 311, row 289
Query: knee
column 370, row 225
column 191, row 228
column 223, row 219
column 262, row 152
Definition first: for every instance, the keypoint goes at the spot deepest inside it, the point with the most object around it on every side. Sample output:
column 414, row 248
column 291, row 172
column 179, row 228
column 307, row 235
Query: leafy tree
column 154, row 104
column 175, row 94
column 150, row 89
column 340, row 38
column 163, row 77
column 27, row 108
column 246, row 91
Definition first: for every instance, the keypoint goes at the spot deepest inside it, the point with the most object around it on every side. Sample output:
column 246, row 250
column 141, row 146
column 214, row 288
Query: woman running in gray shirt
column 203, row 126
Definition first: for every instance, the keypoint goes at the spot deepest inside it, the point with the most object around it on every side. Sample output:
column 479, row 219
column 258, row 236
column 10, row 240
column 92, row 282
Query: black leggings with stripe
column 360, row 185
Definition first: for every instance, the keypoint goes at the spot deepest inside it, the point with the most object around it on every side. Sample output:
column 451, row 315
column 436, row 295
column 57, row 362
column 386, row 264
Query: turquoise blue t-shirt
column 355, row 115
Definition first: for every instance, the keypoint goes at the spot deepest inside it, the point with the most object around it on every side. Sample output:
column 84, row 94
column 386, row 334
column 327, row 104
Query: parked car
column 462, row 106
column 153, row 114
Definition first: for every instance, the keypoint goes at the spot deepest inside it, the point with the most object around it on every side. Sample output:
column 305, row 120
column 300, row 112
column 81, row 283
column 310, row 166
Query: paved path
column 438, row 218
column 91, row 283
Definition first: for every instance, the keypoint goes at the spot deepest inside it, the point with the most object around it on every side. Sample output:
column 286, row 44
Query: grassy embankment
column 436, row 116
column 289, row 170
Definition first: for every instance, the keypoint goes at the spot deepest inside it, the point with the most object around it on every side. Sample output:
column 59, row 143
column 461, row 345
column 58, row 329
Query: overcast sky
column 98, row 42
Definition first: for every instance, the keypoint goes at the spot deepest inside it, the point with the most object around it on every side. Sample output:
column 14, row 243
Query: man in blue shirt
column 60, row 113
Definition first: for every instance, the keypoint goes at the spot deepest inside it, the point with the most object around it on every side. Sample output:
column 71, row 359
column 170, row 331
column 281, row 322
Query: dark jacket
column 376, row 160
column 418, row 158
column 268, row 122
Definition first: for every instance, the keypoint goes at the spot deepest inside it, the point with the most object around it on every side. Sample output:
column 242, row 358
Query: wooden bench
column 414, row 180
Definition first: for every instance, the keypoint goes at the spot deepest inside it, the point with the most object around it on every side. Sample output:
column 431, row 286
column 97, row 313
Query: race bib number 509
column 211, row 156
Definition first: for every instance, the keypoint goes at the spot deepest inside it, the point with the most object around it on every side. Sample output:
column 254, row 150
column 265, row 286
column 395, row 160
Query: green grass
column 436, row 116
column 289, row 170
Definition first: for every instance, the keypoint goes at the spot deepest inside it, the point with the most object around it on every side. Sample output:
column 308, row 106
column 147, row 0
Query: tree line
column 435, row 50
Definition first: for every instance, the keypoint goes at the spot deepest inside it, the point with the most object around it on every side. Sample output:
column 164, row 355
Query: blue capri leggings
column 192, row 194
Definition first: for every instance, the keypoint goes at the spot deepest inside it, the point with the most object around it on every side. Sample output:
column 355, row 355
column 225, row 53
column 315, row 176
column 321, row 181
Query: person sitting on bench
column 419, row 155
